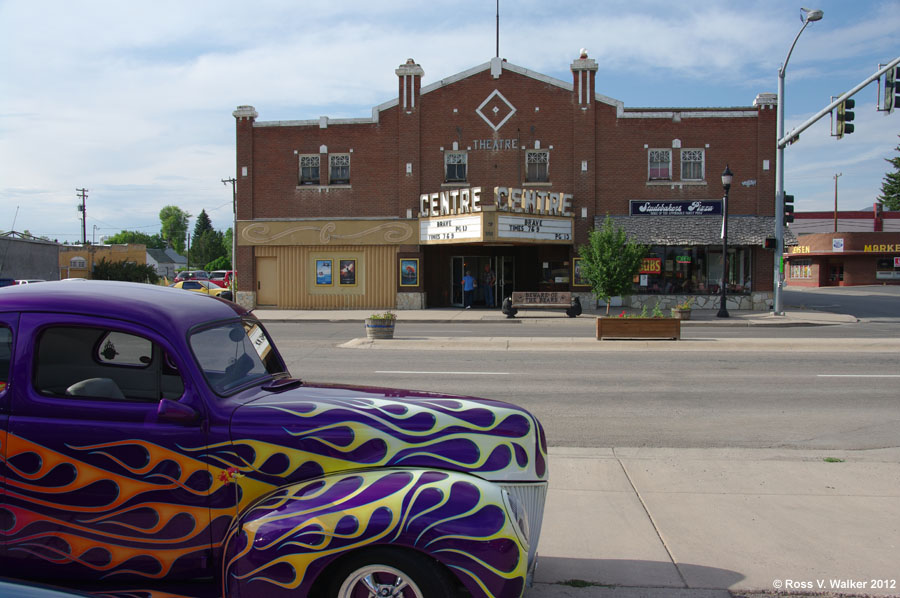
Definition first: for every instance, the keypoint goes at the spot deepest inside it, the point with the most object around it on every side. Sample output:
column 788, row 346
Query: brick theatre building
column 505, row 169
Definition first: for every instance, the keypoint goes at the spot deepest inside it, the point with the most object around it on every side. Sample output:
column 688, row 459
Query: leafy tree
column 207, row 244
column 227, row 240
column 133, row 236
column 890, row 187
column 174, row 227
column 610, row 261
column 127, row 271
column 220, row 263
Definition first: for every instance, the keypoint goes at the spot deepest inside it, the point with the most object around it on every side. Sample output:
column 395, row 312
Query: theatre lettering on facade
column 500, row 169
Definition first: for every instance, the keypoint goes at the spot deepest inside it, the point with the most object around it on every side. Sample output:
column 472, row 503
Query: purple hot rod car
column 153, row 438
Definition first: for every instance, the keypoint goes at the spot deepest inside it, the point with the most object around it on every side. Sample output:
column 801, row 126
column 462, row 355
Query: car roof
column 167, row 310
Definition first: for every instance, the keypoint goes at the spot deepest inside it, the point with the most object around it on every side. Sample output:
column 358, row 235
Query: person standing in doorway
column 468, row 289
column 487, row 285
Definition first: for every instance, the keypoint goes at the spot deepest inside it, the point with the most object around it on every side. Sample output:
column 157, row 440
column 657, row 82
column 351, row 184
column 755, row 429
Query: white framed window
column 78, row 262
column 659, row 162
column 455, row 164
column 309, row 169
column 339, row 169
column 692, row 165
column 537, row 166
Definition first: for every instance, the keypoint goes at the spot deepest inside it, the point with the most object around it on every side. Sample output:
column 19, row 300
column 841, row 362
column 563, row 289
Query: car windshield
column 235, row 354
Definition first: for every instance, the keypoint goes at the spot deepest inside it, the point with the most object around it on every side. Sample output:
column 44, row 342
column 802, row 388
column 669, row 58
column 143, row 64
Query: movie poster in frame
column 578, row 279
column 324, row 276
column 347, row 273
column 409, row 272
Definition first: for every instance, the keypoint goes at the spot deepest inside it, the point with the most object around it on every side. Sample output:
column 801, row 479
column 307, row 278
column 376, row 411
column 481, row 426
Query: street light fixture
column 727, row 177
column 808, row 16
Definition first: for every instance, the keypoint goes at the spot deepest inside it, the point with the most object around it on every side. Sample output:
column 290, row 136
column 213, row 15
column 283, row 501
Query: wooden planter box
column 659, row 328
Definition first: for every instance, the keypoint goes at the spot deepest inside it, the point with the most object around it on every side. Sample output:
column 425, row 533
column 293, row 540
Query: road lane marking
column 859, row 375
column 443, row 373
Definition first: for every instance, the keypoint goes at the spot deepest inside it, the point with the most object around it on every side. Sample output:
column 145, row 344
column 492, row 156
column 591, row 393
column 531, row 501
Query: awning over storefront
column 699, row 230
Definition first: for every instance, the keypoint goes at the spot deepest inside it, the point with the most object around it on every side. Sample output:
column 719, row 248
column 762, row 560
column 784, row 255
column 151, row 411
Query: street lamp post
column 808, row 16
column 727, row 177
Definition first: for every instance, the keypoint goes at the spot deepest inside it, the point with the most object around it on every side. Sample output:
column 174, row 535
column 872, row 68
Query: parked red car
column 221, row 277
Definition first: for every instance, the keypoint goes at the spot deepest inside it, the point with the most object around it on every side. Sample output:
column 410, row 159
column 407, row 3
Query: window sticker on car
column 259, row 340
column 119, row 348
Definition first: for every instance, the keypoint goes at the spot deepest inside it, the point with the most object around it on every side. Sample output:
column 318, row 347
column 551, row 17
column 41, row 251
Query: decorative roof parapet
column 583, row 63
column 410, row 68
column 248, row 112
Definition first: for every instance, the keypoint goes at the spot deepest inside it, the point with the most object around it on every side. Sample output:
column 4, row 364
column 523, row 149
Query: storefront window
column 887, row 268
column 555, row 272
column 801, row 268
column 670, row 270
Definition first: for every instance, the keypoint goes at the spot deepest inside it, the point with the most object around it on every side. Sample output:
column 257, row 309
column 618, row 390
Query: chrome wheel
column 379, row 581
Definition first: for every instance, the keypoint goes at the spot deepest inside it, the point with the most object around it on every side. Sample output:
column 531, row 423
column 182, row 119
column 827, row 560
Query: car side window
column 190, row 284
column 5, row 356
column 97, row 363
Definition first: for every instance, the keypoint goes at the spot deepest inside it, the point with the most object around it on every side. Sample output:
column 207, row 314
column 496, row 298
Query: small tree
column 890, row 187
column 610, row 261
column 127, row 271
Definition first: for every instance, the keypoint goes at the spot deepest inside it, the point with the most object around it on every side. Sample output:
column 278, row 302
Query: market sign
column 712, row 207
column 887, row 248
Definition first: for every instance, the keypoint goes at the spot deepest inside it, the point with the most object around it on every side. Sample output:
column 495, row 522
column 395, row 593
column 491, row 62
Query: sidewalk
column 679, row 523
column 699, row 317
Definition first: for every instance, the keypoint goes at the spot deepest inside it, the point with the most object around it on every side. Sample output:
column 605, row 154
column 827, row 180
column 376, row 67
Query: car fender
column 284, row 541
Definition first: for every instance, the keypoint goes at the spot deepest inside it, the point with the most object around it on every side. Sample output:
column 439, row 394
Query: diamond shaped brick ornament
column 495, row 110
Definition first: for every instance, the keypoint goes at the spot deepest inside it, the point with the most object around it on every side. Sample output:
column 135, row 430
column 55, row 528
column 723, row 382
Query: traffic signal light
column 788, row 208
column 844, row 115
column 891, row 90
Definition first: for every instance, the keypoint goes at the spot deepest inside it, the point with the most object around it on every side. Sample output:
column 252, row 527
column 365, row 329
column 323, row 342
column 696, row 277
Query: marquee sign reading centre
column 514, row 216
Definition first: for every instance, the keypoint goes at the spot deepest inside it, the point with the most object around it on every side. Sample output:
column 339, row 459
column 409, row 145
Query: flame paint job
column 283, row 542
column 112, row 491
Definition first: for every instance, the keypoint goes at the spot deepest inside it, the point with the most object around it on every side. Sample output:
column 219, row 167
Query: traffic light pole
column 783, row 140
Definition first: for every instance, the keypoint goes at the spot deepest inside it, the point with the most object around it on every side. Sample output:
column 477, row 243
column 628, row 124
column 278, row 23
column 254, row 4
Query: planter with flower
column 642, row 326
column 682, row 311
column 381, row 325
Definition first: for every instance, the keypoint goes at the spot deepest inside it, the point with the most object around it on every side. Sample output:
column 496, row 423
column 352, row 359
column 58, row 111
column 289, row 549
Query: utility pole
column 233, row 182
column 835, row 201
column 82, row 193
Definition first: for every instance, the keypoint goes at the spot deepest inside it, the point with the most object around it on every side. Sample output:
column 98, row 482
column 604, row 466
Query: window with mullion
column 660, row 164
column 692, row 165
column 339, row 173
column 537, row 166
column 309, row 170
column 455, row 167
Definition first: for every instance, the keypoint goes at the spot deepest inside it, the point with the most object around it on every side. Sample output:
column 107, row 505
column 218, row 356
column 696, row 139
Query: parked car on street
column 221, row 277
column 205, row 287
column 155, row 439
column 29, row 280
column 192, row 275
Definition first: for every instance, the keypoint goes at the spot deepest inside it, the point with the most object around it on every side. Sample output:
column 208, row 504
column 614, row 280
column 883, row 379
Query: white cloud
column 134, row 100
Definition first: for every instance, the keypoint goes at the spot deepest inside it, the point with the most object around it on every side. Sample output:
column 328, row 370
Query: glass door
column 506, row 278
column 456, row 276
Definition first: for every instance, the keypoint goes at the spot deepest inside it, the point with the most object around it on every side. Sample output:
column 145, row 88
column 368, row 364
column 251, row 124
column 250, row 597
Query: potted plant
column 381, row 325
column 682, row 311
column 642, row 326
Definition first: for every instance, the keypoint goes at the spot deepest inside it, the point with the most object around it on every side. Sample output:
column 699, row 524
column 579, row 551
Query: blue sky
column 133, row 100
